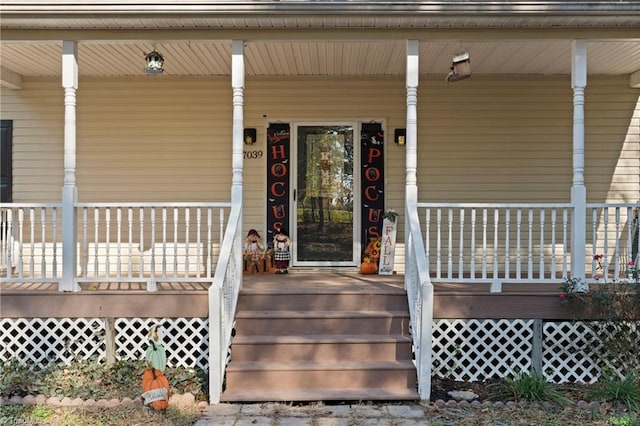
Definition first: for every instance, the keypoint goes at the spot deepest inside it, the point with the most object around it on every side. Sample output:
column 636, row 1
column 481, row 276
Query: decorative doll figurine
column 253, row 251
column 281, row 254
column 155, row 355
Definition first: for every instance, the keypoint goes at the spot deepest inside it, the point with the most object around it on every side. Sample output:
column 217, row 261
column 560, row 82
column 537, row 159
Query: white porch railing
column 499, row 243
column 30, row 242
column 146, row 242
column 420, row 298
column 223, row 297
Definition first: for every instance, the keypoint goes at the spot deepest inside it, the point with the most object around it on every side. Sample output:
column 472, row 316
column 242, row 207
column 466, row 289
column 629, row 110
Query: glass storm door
column 324, row 196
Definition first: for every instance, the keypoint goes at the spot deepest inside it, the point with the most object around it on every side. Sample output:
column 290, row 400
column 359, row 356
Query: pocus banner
column 372, row 181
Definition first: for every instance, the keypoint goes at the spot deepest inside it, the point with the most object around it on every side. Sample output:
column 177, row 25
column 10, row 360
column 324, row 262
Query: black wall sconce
column 250, row 136
column 399, row 136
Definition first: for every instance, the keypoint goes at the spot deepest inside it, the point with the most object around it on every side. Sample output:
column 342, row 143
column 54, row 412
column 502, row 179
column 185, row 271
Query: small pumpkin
column 155, row 388
column 368, row 267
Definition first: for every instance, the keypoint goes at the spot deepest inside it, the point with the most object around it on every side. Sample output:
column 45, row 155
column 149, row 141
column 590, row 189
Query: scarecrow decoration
column 281, row 254
column 254, row 252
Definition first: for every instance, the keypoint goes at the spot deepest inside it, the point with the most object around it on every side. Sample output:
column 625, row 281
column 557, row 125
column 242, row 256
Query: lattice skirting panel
column 41, row 341
column 464, row 350
column 477, row 350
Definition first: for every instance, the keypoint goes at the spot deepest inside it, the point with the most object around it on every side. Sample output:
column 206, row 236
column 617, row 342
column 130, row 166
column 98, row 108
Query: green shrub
column 525, row 386
column 613, row 389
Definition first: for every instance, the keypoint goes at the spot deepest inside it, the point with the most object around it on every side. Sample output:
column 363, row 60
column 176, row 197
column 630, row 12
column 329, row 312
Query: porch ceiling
column 318, row 38
column 199, row 58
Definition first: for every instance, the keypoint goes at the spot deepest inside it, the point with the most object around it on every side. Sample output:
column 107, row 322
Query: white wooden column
column 69, row 190
column 578, row 189
column 237, row 83
column 411, row 142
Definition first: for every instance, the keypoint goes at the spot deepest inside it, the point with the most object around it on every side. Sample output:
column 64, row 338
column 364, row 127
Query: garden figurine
column 155, row 355
column 254, row 251
column 281, row 255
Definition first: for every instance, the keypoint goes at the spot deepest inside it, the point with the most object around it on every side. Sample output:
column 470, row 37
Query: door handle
column 294, row 195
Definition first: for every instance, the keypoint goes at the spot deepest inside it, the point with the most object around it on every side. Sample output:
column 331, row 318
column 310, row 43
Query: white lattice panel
column 185, row 340
column 475, row 350
column 42, row 341
column 574, row 353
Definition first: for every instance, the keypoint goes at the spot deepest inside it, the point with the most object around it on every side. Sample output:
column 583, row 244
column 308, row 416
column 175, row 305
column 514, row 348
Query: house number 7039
column 251, row 155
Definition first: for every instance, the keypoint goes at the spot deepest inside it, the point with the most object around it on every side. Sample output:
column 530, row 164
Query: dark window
column 6, row 163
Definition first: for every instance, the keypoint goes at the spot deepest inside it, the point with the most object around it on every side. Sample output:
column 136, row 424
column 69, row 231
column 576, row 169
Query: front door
column 323, row 196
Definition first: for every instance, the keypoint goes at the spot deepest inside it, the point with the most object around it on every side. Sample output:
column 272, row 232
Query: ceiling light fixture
column 155, row 62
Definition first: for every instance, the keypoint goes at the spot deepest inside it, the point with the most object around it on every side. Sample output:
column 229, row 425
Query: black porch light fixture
column 250, row 136
column 155, row 63
column 399, row 136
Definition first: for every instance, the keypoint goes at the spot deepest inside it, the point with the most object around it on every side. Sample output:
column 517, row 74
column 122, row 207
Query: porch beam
column 311, row 34
column 69, row 190
column 10, row 79
column 578, row 190
column 634, row 80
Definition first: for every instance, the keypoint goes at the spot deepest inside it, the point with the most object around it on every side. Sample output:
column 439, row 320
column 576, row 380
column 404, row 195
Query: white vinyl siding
column 485, row 139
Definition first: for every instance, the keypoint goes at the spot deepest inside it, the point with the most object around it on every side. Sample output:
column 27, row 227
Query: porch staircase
column 307, row 343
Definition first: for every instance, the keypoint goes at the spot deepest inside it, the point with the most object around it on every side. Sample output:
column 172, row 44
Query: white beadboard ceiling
column 320, row 58
column 318, row 38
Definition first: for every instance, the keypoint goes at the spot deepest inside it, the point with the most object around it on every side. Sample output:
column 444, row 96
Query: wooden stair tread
column 320, row 338
column 360, row 394
column 318, row 314
column 319, row 365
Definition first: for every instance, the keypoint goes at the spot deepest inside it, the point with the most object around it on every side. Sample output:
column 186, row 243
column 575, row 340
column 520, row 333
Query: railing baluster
column 199, row 239
column 209, row 242
column 461, row 248
column 594, row 242
column 43, row 241
column 153, row 242
column 541, row 262
column 130, row 240
column 554, row 267
column 472, row 248
column 605, row 245
column 519, row 244
column 164, row 242
column 496, row 216
column 427, row 237
column 484, row 243
column 119, row 242
column 450, row 244
column 32, row 242
column 107, row 261
column 141, row 242
column 565, row 243
column 507, row 244
column 616, row 253
column 20, row 242
column 530, row 246
column 187, row 218
column 55, row 243
column 96, row 222
column 439, row 243
column 175, row 242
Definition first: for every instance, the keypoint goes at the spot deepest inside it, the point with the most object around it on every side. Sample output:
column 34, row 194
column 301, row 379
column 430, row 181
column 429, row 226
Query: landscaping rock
column 459, row 395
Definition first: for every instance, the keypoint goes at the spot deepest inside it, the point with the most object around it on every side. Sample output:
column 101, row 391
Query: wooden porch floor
column 188, row 299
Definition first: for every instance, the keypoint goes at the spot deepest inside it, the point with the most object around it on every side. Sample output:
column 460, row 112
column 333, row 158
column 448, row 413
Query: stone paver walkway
column 278, row 414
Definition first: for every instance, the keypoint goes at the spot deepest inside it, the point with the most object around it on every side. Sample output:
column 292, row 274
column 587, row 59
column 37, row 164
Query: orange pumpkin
column 368, row 267
column 155, row 388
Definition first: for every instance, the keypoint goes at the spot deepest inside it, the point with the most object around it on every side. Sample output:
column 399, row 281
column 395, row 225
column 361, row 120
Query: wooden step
column 352, row 347
column 252, row 323
column 324, row 375
column 321, row 394
column 292, row 300
column 321, row 341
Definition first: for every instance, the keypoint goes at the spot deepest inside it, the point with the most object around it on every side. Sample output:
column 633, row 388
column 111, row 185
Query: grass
column 625, row 391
